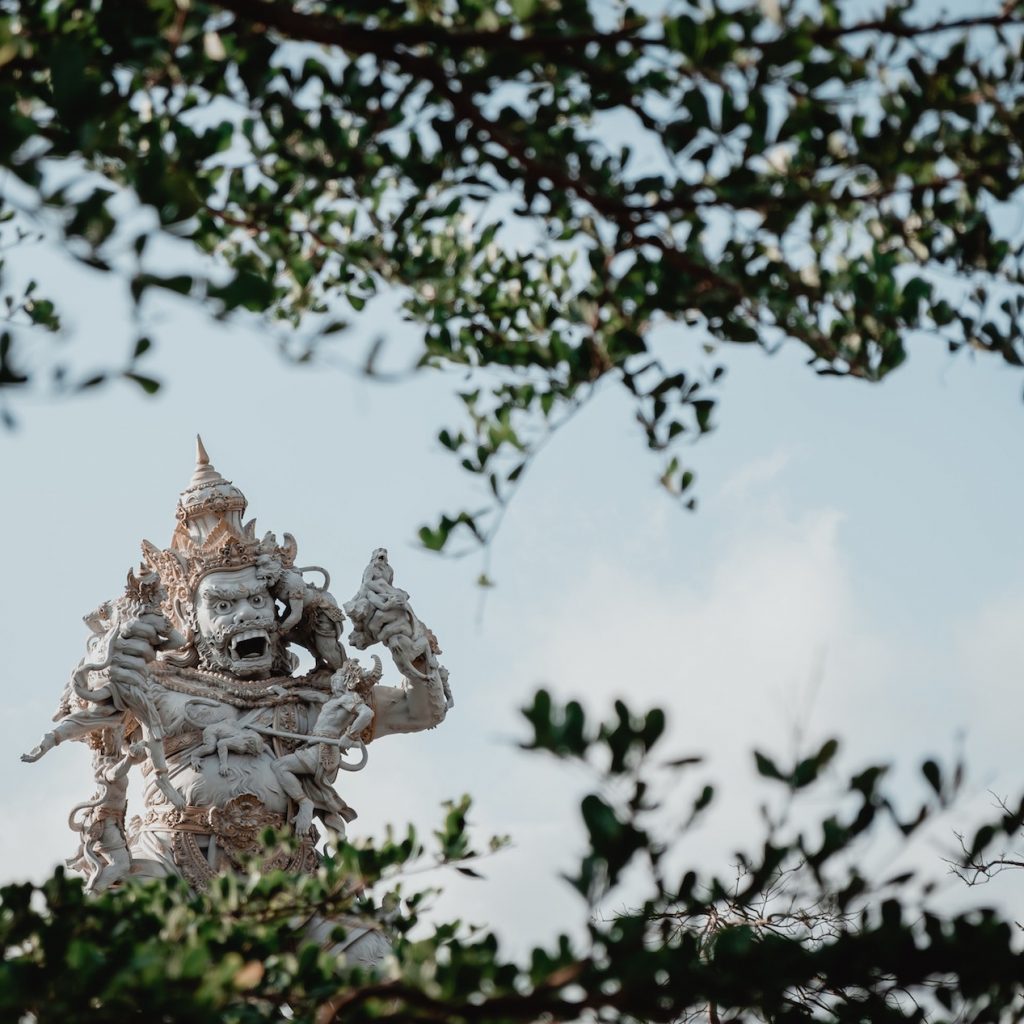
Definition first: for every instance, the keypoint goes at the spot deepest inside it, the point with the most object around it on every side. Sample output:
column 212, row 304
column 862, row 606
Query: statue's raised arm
column 381, row 613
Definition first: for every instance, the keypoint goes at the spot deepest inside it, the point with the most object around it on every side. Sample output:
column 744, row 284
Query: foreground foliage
column 538, row 185
column 794, row 932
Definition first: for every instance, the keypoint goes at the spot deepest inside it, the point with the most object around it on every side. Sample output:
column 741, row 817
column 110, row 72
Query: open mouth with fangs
column 249, row 645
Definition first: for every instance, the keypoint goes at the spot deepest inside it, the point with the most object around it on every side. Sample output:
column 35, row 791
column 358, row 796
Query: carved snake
column 329, row 740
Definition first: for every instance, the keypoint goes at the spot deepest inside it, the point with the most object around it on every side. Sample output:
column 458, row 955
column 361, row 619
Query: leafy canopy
column 540, row 185
column 798, row 931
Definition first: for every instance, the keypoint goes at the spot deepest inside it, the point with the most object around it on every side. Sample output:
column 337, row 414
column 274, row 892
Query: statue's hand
column 48, row 742
column 134, row 647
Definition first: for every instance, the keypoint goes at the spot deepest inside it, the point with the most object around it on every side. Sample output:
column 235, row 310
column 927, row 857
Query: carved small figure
column 222, row 738
column 103, row 853
column 381, row 613
column 343, row 719
column 136, row 629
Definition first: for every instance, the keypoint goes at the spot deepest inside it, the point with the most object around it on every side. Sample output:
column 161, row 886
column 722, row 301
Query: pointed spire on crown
column 208, row 503
column 204, row 474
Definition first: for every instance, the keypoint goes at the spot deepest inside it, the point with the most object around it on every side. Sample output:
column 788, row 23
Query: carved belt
column 240, row 820
column 237, row 826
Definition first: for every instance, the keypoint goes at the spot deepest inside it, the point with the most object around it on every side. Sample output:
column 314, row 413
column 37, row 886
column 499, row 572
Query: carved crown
column 210, row 536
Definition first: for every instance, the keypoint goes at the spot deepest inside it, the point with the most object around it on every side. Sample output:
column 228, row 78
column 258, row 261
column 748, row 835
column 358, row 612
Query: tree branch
column 903, row 30
column 332, row 31
column 326, row 28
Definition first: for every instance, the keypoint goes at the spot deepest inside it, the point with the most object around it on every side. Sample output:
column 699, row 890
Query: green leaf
column 148, row 384
column 767, row 767
column 523, row 9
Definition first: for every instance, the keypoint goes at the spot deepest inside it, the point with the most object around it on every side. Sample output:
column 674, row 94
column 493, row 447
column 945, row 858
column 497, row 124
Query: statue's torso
column 228, row 800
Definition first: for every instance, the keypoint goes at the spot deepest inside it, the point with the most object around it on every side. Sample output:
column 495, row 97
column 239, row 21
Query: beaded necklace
column 217, row 685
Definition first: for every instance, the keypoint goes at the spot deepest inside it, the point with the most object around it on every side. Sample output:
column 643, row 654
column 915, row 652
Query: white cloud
column 766, row 644
column 770, row 639
column 729, row 654
column 755, row 645
column 989, row 652
column 753, row 475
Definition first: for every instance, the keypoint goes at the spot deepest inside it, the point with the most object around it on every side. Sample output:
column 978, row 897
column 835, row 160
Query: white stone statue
column 189, row 674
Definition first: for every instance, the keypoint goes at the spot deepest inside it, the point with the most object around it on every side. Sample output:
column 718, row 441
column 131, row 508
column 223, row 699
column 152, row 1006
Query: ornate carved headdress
column 211, row 537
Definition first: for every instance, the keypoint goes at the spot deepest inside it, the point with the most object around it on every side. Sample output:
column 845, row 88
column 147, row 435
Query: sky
column 854, row 568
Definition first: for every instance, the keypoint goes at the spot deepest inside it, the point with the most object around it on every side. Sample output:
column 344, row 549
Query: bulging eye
column 223, row 606
column 257, row 600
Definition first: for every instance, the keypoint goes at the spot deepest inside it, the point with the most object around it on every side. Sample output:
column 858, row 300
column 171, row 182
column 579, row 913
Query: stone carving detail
column 190, row 674
column 381, row 614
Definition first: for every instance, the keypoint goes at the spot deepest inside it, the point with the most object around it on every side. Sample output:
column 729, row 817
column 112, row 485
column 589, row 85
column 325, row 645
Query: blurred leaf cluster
column 796, row 930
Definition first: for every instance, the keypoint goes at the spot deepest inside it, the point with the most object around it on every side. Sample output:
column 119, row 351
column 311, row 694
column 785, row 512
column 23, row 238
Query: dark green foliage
column 540, row 184
column 793, row 933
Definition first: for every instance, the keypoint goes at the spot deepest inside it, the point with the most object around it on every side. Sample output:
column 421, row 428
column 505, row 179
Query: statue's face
column 237, row 622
